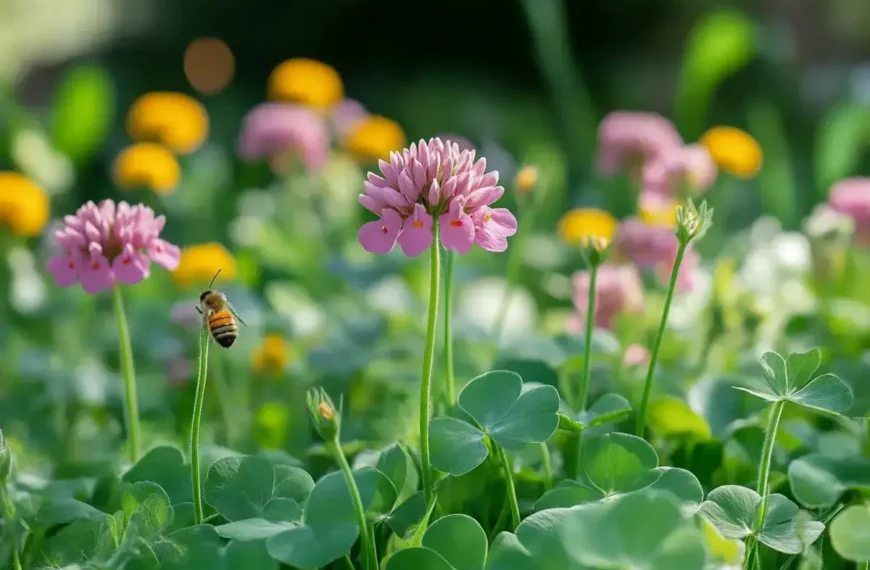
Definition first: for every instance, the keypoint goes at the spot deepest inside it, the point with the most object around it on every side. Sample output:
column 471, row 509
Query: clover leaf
column 165, row 466
column 453, row 542
column 818, row 480
column 732, row 510
column 239, row 487
column 607, row 534
column 608, row 408
column 511, row 413
column 619, row 463
column 329, row 528
column 850, row 533
column 791, row 380
column 537, row 543
column 455, row 447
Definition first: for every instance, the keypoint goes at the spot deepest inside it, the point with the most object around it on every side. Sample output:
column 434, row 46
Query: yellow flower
column 527, row 179
column 306, row 81
column 174, row 119
column 24, row 206
column 734, row 151
column 658, row 210
column 578, row 226
column 147, row 164
column 272, row 356
column 374, row 137
column 200, row 262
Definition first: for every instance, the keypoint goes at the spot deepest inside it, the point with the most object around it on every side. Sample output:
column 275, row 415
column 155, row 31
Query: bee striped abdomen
column 223, row 328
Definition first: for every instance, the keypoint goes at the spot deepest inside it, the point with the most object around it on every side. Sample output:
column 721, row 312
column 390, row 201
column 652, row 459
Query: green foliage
column 850, row 533
column 83, row 111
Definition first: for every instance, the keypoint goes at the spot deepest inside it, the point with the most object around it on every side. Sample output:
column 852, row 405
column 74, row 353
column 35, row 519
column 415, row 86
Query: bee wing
column 235, row 314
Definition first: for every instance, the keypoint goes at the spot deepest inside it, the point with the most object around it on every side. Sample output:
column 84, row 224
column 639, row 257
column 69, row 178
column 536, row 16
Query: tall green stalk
column 429, row 358
column 128, row 371
column 647, row 387
column 583, row 392
column 366, row 555
column 511, row 488
column 199, row 399
column 449, row 374
column 764, row 471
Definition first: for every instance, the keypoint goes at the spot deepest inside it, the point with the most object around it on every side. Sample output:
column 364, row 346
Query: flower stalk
column 429, row 359
column 198, row 401
column 131, row 407
column 692, row 223
column 449, row 374
column 583, row 388
column 509, row 482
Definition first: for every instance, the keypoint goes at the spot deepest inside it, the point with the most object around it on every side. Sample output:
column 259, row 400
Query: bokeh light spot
column 209, row 65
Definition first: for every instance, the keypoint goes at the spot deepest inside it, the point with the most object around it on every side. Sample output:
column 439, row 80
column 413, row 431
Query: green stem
column 587, row 340
column 546, row 465
column 366, row 555
column 450, row 376
column 766, row 457
column 511, row 489
column 199, row 399
column 429, row 358
column 348, row 563
column 647, row 387
column 9, row 508
column 132, row 407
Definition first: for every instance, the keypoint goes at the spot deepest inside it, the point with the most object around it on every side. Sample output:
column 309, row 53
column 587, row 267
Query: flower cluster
column 851, row 197
column 272, row 130
column 428, row 182
column 107, row 243
column 24, row 206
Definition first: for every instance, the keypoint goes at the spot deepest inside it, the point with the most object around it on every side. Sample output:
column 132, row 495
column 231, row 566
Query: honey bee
column 220, row 315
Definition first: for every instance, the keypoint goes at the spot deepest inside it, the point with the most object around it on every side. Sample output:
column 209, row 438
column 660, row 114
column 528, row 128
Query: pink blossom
column 108, row 244
column 635, row 355
column 428, row 181
column 347, row 115
column 688, row 168
column 271, row 130
column 618, row 290
column 851, row 197
column 629, row 140
column 654, row 247
column 463, row 142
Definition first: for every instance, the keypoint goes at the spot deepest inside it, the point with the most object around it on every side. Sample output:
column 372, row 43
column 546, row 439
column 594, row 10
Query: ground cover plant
column 397, row 354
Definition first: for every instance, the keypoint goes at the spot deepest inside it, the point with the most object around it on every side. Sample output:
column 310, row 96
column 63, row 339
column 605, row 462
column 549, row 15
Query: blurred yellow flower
column 24, row 206
column 578, row 226
column 272, row 356
column 306, row 81
column 658, row 210
column 735, row 151
column 174, row 119
column 527, row 179
column 374, row 138
column 149, row 165
column 200, row 262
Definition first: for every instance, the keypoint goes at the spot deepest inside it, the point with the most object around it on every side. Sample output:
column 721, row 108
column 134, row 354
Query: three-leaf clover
column 732, row 509
column 511, row 413
column 791, row 380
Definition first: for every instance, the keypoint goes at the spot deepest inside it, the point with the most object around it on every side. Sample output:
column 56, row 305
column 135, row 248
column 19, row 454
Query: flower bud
column 595, row 249
column 526, row 179
column 5, row 460
column 692, row 222
column 327, row 420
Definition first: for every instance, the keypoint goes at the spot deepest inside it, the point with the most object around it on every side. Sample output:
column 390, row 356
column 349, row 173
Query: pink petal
column 416, row 236
column 164, row 254
column 130, row 267
column 434, row 197
column 484, row 196
column 380, row 236
column 457, row 228
column 96, row 275
column 64, row 269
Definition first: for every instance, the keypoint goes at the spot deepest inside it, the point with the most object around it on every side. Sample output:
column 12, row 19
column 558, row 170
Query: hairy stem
column 766, row 458
column 647, row 387
column 511, row 489
column 199, row 399
column 449, row 375
column 131, row 408
column 364, row 536
column 583, row 394
column 429, row 358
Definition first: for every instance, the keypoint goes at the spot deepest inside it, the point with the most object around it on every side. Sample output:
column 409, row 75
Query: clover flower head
column 627, row 139
column 110, row 243
column 618, row 290
column 428, row 182
column 690, row 168
column 274, row 129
